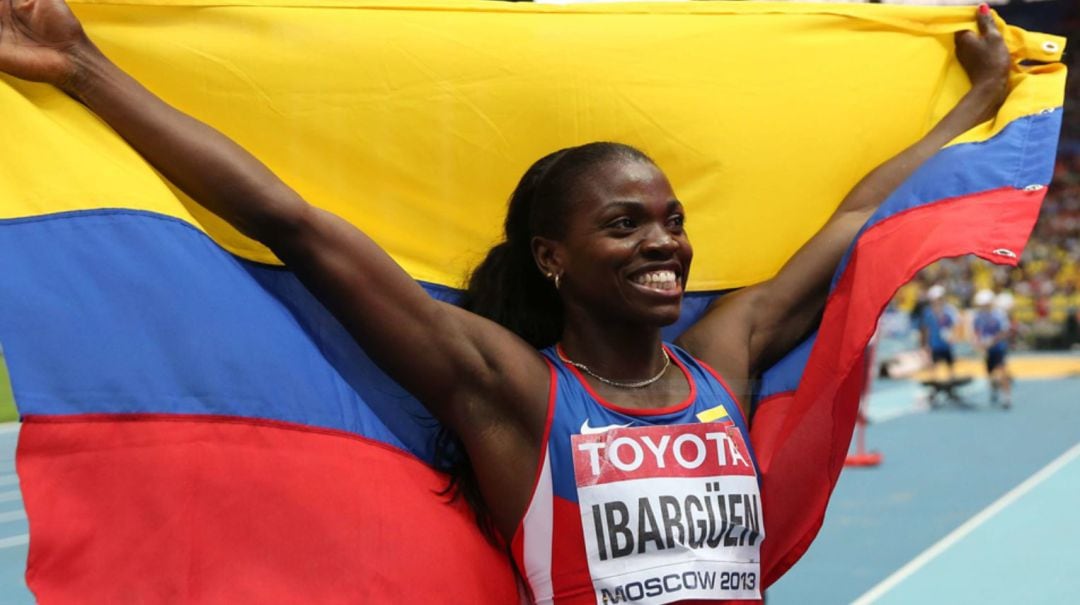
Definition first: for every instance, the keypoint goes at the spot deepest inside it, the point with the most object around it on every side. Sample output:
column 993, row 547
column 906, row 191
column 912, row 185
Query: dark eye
column 623, row 223
column 676, row 221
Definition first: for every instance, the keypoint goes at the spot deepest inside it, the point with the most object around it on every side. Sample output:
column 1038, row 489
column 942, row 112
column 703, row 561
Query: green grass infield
column 8, row 412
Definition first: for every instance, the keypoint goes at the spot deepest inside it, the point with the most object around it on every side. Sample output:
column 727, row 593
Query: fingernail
column 984, row 9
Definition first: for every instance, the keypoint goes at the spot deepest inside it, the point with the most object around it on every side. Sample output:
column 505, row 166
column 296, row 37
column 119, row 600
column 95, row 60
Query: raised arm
column 745, row 332
column 471, row 373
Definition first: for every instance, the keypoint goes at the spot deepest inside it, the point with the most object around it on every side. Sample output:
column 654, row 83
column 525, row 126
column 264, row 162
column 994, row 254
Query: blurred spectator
column 991, row 329
column 938, row 323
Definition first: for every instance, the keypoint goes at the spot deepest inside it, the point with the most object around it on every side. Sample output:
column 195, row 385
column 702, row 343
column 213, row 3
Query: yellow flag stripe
column 415, row 120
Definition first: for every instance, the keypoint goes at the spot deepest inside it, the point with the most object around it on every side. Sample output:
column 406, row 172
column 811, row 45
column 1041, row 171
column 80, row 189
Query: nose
column 660, row 242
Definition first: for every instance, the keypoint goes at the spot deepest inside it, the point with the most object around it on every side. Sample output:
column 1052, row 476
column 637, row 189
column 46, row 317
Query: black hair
column 508, row 288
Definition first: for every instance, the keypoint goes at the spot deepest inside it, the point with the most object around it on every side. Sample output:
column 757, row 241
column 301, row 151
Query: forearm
column 205, row 164
column 796, row 296
column 977, row 106
column 792, row 300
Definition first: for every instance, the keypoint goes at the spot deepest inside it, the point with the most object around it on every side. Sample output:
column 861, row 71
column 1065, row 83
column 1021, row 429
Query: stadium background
column 973, row 504
column 891, row 534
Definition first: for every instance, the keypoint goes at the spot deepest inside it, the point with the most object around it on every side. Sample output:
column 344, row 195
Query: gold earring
column 558, row 276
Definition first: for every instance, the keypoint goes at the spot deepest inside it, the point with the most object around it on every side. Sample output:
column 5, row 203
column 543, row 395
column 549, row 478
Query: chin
column 665, row 316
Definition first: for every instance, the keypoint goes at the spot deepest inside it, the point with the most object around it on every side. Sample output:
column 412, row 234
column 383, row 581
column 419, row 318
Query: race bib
column 669, row 513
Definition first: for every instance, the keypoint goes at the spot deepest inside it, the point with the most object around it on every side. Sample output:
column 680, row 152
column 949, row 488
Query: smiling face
column 624, row 255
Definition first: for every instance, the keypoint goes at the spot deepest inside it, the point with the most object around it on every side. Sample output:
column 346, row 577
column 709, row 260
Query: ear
column 548, row 256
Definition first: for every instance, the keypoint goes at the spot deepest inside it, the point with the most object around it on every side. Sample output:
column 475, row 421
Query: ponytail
column 507, row 287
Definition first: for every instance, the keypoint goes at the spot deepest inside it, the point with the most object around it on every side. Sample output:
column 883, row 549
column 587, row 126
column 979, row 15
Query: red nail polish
column 984, row 9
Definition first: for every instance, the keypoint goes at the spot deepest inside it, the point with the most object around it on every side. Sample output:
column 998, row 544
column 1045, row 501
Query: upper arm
column 791, row 303
column 464, row 368
column 759, row 324
column 721, row 338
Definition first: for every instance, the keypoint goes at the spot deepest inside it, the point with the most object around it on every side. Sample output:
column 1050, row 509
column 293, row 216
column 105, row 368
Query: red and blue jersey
column 644, row 505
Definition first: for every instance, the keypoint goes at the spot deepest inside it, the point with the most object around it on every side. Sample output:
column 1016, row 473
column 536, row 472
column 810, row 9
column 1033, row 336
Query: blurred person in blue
column 992, row 329
column 937, row 325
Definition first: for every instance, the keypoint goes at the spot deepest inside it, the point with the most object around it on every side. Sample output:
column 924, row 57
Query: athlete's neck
column 616, row 352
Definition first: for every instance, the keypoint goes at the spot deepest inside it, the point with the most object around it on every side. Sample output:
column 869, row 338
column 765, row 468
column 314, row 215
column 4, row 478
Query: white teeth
column 658, row 280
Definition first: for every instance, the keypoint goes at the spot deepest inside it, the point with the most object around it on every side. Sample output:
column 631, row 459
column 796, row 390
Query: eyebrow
column 635, row 205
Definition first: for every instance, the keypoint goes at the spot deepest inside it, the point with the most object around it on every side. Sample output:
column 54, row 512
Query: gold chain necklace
column 636, row 384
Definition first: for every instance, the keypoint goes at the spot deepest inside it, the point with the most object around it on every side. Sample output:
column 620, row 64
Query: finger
column 985, row 20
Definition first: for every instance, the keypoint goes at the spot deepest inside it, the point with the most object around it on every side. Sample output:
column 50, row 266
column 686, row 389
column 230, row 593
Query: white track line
column 14, row 515
column 13, row 541
column 11, row 479
column 960, row 532
column 10, row 496
column 9, row 427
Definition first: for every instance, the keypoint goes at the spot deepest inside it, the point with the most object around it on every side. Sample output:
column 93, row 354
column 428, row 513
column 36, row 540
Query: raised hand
column 39, row 40
column 985, row 58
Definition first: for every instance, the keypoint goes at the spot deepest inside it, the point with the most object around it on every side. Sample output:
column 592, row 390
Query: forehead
column 624, row 180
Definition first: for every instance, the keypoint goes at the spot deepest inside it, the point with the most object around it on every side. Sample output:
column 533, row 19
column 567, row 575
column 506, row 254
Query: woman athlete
column 595, row 261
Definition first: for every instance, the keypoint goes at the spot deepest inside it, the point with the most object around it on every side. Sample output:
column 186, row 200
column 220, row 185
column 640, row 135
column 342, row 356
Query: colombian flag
column 197, row 428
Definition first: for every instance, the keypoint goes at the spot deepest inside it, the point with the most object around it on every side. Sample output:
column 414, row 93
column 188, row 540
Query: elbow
column 281, row 219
